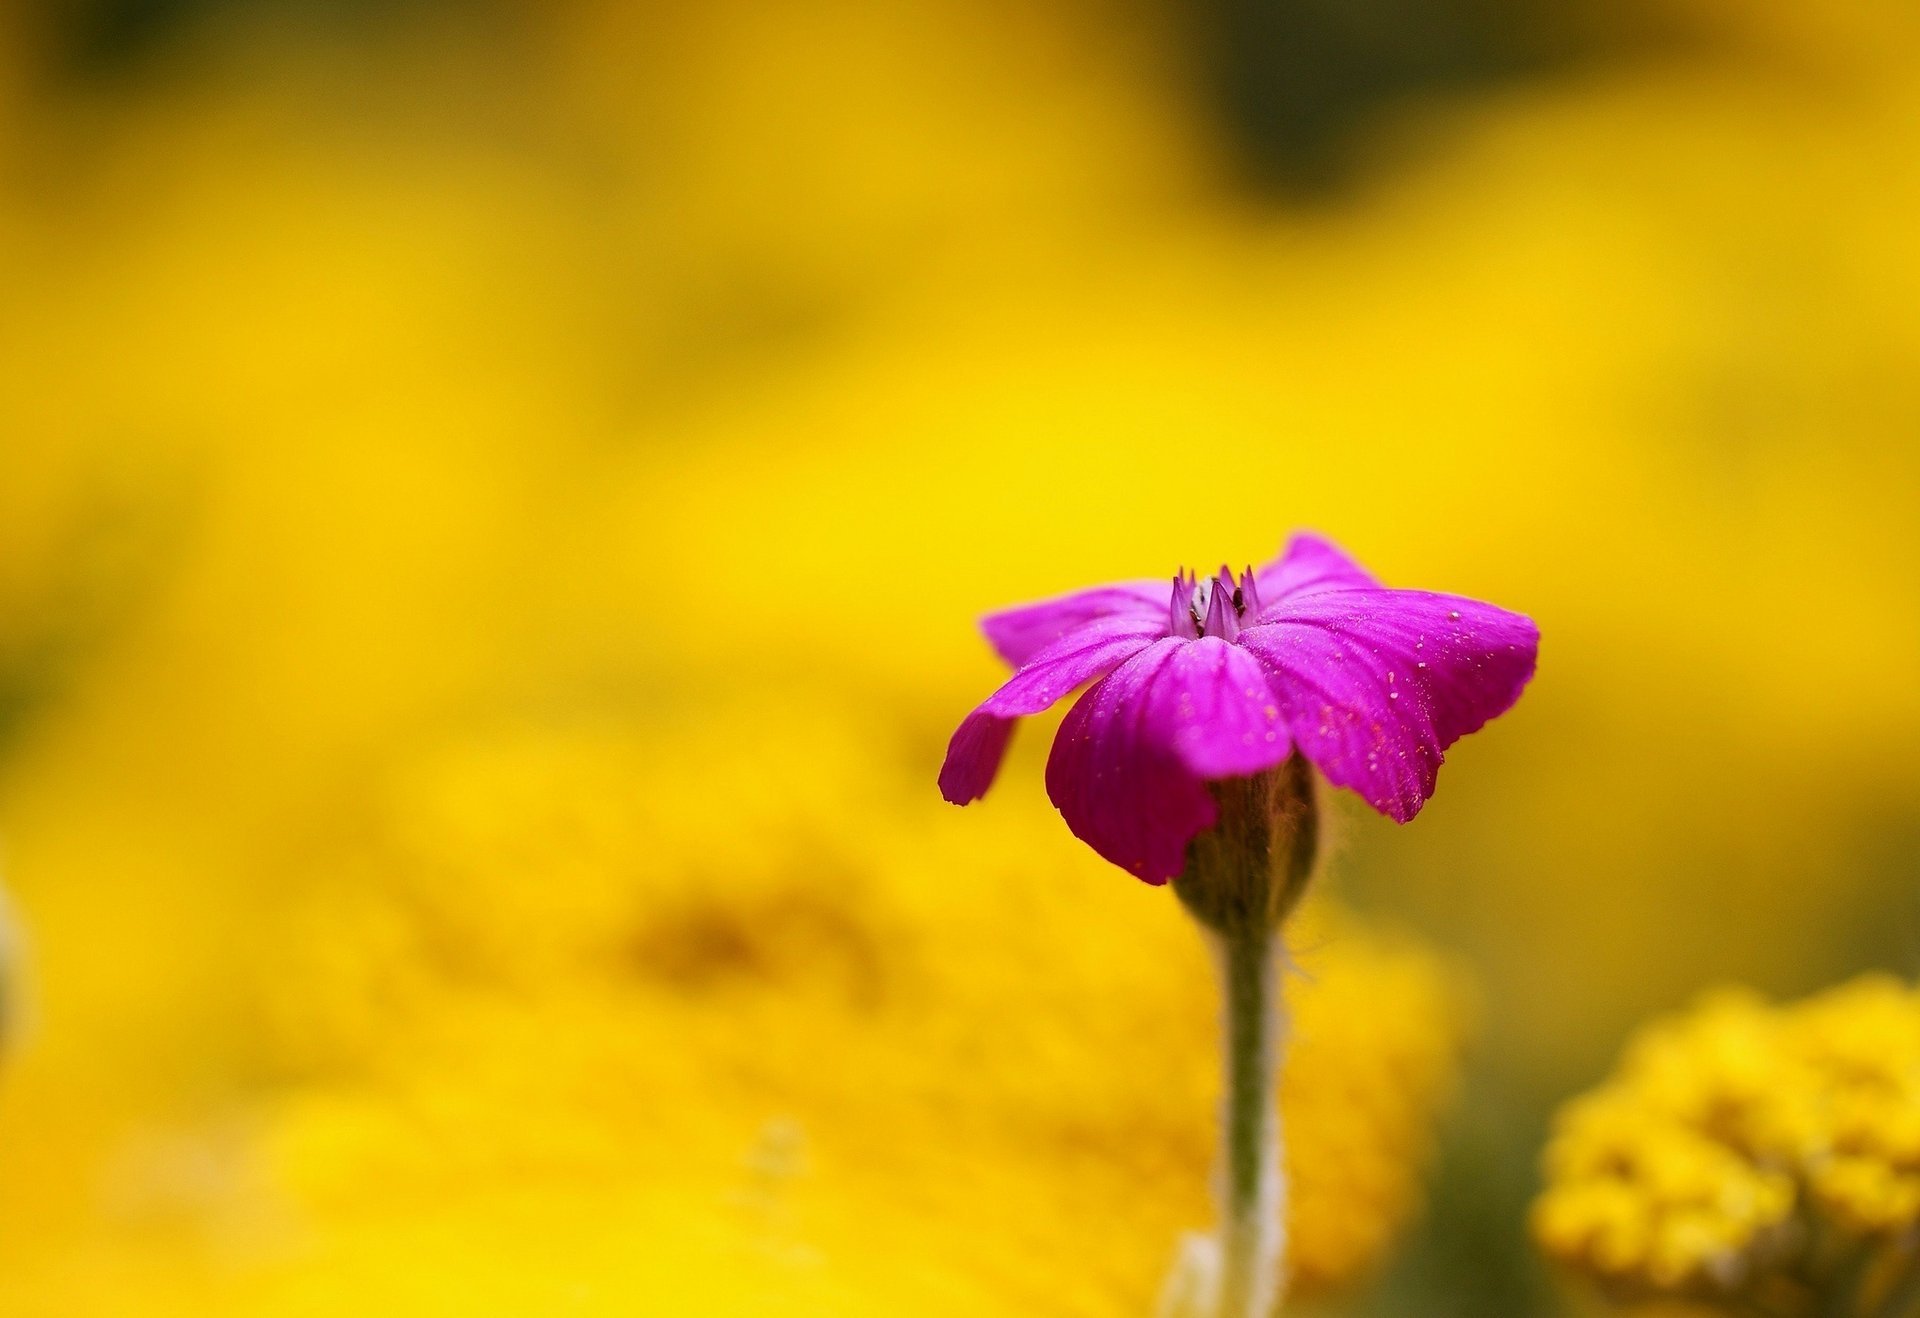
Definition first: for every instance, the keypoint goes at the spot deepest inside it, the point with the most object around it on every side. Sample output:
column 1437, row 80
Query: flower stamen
column 1211, row 606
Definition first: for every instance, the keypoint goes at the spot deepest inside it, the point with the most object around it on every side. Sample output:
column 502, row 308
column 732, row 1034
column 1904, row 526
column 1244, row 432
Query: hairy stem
column 1253, row 1192
column 1242, row 878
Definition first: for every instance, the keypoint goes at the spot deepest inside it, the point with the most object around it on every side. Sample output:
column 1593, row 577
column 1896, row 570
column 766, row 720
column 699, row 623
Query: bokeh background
column 493, row 501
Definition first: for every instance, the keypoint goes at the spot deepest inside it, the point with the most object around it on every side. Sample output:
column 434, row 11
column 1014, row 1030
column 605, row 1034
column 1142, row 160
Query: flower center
column 1211, row 606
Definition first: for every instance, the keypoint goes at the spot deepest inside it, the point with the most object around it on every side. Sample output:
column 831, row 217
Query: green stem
column 1241, row 878
column 1253, row 1193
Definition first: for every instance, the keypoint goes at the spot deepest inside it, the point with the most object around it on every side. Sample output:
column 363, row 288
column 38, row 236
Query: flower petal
column 1130, row 765
column 1309, row 562
column 974, row 755
column 1213, row 705
column 1132, row 801
column 1375, row 684
column 1091, row 650
column 1018, row 634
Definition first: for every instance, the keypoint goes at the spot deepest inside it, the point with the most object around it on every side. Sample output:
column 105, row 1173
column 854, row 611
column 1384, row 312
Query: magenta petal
column 1123, row 794
column 1018, row 634
column 1308, row 563
column 1130, row 766
column 974, row 755
column 1213, row 705
column 1089, row 651
column 1471, row 660
column 1375, row 684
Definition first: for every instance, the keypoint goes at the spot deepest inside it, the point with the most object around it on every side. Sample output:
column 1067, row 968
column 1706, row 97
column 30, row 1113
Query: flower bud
column 1249, row 870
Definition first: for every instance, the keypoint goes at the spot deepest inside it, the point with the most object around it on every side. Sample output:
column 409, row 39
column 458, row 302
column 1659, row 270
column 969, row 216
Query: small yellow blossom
column 1746, row 1150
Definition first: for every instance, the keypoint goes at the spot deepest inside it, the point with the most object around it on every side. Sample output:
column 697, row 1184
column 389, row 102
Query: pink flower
column 1224, row 679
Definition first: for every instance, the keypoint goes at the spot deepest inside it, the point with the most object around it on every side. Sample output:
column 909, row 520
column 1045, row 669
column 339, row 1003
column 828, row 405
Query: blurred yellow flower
column 1746, row 1153
column 653, row 966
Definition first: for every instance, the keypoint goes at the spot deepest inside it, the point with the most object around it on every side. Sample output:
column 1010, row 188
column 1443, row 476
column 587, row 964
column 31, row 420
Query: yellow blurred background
column 493, row 504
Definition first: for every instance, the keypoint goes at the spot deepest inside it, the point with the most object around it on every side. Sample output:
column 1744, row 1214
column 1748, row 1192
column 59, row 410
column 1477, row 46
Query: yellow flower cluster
column 1746, row 1149
column 562, row 965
